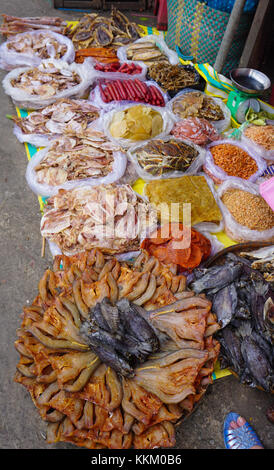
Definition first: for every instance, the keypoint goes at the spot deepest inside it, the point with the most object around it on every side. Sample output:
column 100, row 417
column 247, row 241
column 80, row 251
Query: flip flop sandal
column 244, row 437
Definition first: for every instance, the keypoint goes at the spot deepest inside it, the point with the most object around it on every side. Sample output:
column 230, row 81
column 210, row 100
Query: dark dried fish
column 224, row 304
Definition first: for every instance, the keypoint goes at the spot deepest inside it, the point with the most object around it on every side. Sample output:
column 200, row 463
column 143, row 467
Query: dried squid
column 86, row 402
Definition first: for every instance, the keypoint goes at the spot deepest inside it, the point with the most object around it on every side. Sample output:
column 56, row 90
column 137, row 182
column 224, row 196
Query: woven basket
column 198, row 30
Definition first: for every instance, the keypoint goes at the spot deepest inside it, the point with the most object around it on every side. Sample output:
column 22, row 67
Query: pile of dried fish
column 42, row 44
column 196, row 104
column 46, row 80
column 243, row 301
column 13, row 25
column 159, row 157
column 147, row 52
column 111, row 217
column 95, row 30
column 64, row 116
column 173, row 77
column 263, row 261
column 84, row 401
column 72, row 157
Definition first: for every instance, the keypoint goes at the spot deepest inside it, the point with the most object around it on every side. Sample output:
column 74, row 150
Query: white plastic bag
column 38, row 140
column 267, row 155
column 118, row 170
column 25, row 100
column 234, row 230
column 172, row 56
column 96, row 99
column 221, row 125
column 10, row 59
column 219, row 175
column 106, row 117
column 195, row 166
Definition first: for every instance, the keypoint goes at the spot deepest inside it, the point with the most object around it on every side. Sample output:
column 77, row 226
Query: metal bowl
column 249, row 81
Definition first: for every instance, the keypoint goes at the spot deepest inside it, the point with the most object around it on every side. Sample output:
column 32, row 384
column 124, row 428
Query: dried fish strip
column 196, row 104
column 85, row 402
column 172, row 77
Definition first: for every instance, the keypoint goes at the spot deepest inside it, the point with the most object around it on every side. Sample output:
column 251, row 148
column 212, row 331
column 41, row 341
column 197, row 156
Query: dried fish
column 196, row 104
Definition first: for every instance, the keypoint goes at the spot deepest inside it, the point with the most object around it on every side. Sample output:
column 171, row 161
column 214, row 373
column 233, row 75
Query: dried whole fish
column 64, row 116
column 96, row 30
column 243, row 301
column 83, row 400
column 196, row 104
column 158, row 157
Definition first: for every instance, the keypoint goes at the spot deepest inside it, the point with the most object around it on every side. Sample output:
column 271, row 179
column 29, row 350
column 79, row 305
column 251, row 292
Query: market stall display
column 122, row 340
column 124, row 404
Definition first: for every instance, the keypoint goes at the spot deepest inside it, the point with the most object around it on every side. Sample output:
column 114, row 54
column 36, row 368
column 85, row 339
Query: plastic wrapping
column 25, row 100
column 107, row 116
column 221, row 125
column 267, row 155
column 118, row 170
column 234, row 230
column 218, row 175
column 10, row 59
column 120, row 75
column 38, row 140
column 172, row 56
column 195, row 166
column 96, row 99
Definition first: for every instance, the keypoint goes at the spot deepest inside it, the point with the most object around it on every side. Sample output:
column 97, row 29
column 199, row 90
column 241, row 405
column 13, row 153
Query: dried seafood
column 42, row 44
column 111, row 217
column 136, row 123
column 46, row 80
column 71, row 157
column 96, row 30
column 13, row 25
column 158, row 157
column 199, row 130
column 64, row 116
column 173, row 77
column 197, row 104
column 243, row 301
column 82, row 400
column 147, row 52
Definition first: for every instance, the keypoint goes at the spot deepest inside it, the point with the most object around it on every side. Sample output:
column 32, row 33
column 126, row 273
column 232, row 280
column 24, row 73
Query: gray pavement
column 21, row 267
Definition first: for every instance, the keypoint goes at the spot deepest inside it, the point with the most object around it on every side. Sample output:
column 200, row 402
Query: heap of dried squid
column 111, row 217
column 96, row 30
column 13, row 25
column 75, row 157
column 84, row 401
column 64, row 116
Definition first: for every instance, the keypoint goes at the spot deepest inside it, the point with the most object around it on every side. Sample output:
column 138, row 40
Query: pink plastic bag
column 267, row 192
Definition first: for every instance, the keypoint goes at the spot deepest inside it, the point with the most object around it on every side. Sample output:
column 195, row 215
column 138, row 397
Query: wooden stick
column 43, row 247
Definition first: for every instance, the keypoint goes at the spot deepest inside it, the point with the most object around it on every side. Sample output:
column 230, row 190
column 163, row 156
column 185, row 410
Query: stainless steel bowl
column 249, row 81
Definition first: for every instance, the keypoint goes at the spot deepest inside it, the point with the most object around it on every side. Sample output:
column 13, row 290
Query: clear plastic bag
column 195, row 166
column 218, row 175
column 161, row 44
column 267, row 155
column 221, row 125
column 96, row 99
column 234, row 230
column 10, row 59
column 120, row 75
column 118, row 169
column 107, row 114
column 38, row 140
column 22, row 99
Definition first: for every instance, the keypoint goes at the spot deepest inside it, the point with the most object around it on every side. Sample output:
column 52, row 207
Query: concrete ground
column 21, row 267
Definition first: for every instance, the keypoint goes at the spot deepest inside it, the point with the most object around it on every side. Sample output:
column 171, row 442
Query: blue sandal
column 243, row 437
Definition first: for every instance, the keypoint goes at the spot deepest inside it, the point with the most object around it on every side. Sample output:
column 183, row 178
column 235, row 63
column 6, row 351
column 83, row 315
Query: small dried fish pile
column 46, row 80
column 13, row 25
column 76, row 157
column 81, row 399
column 173, row 77
column 96, row 30
column 64, row 116
column 111, row 217
column 158, row 157
column 244, row 303
column 199, row 130
column 42, row 44
column 196, row 104
column 147, row 52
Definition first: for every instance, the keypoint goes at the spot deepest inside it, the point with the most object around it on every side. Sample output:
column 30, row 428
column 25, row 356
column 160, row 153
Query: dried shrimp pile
column 84, row 401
